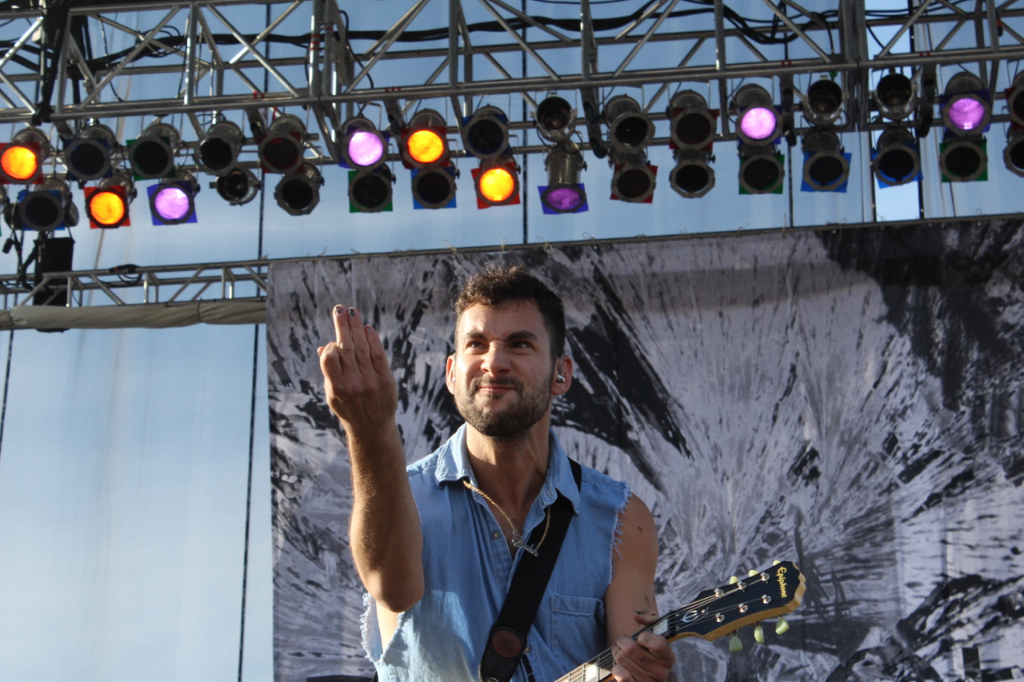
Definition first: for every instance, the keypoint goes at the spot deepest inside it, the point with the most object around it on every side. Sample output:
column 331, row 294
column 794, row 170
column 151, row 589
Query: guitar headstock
column 772, row 592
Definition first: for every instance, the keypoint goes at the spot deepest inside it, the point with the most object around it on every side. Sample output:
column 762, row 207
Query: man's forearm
column 385, row 534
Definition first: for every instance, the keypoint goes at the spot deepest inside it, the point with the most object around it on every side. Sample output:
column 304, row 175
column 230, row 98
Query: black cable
column 7, row 382
column 348, row 46
column 248, row 492
column 880, row 43
column 577, row 4
column 172, row 38
column 252, row 409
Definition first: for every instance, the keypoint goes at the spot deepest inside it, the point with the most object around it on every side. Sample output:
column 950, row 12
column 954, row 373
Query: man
column 435, row 546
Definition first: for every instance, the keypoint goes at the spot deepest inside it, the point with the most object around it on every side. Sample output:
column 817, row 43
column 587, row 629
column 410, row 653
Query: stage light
column 1015, row 100
column 966, row 109
column 555, row 119
column 152, row 154
column 51, row 254
column 424, row 142
column 485, row 133
column 629, row 128
column 896, row 96
column 497, row 183
column 239, row 186
column 299, row 193
column 48, row 207
column 963, row 159
column 21, row 161
column 89, row 155
column 564, row 193
column 369, row 191
column 759, row 121
column 106, row 205
column 824, row 102
column 362, row 145
column 218, row 151
column 1013, row 152
column 434, row 187
column 633, row 179
column 281, row 149
column 692, row 176
column 692, row 125
column 826, row 166
column 172, row 200
column 897, row 160
column 761, row 170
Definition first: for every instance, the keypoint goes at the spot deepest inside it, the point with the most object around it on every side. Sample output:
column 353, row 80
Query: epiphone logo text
column 782, row 581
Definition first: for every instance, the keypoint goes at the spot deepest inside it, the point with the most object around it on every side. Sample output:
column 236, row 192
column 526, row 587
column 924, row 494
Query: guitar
column 770, row 593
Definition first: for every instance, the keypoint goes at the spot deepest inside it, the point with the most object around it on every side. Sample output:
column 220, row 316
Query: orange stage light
column 497, row 184
column 19, row 162
column 425, row 146
column 107, row 207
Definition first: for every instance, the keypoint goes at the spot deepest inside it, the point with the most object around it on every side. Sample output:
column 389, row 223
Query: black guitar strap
column 506, row 642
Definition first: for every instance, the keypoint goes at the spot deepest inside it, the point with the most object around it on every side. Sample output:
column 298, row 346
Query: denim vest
column 468, row 568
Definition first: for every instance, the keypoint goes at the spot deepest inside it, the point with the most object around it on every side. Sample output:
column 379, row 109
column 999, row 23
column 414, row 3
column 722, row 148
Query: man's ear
column 562, row 379
column 449, row 373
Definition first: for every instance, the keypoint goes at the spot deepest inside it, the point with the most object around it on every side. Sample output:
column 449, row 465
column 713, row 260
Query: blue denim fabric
column 468, row 568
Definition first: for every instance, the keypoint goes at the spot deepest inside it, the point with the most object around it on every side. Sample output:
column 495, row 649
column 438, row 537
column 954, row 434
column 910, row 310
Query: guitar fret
column 771, row 593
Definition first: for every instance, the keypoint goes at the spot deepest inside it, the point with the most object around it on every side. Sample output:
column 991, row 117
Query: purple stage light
column 966, row 113
column 758, row 123
column 365, row 148
column 172, row 204
column 565, row 199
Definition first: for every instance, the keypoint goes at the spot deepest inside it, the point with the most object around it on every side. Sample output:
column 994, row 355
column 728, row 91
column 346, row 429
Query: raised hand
column 358, row 381
column 385, row 533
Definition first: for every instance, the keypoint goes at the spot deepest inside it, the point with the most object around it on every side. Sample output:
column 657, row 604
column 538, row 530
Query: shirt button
column 495, row 535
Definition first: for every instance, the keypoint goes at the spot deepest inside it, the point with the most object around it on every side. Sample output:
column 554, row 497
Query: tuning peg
column 781, row 626
column 753, row 573
column 735, row 645
column 759, row 634
column 776, row 562
column 733, row 580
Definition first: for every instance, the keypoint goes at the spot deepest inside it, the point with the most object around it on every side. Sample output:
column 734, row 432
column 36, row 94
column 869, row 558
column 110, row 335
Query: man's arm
column 630, row 604
column 385, row 535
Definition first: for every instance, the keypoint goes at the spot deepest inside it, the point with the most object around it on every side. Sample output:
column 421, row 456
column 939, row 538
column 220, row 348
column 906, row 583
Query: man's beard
column 524, row 410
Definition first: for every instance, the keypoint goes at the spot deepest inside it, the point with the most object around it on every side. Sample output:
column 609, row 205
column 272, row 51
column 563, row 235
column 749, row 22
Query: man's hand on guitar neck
column 648, row 658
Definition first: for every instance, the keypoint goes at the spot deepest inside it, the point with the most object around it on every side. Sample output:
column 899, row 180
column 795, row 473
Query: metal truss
column 244, row 283
column 330, row 68
column 134, row 285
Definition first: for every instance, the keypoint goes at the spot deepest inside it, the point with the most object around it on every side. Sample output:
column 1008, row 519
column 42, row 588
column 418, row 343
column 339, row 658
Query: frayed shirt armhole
column 627, row 494
column 370, row 629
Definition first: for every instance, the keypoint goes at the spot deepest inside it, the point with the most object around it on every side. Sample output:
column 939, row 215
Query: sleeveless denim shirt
column 468, row 568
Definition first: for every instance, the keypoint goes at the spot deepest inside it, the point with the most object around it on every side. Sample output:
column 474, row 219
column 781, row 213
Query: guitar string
column 605, row 660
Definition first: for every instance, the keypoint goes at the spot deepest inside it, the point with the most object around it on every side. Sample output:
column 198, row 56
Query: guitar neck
column 770, row 593
column 599, row 668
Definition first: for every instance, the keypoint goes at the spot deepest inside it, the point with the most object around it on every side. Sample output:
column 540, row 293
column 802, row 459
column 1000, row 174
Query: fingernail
column 338, row 309
column 351, row 312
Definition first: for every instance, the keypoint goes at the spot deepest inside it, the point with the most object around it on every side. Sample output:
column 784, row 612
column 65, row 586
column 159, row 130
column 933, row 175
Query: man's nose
column 495, row 360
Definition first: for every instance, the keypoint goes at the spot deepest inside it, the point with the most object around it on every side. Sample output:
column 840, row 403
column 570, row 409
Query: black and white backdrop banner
column 849, row 399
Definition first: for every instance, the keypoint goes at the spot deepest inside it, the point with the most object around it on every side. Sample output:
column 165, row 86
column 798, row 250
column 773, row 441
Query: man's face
column 502, row 373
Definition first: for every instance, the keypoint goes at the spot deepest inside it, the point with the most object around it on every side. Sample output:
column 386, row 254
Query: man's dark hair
column 497, row 285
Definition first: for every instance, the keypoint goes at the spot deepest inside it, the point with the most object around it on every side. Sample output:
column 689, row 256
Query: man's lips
column 495, row 387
